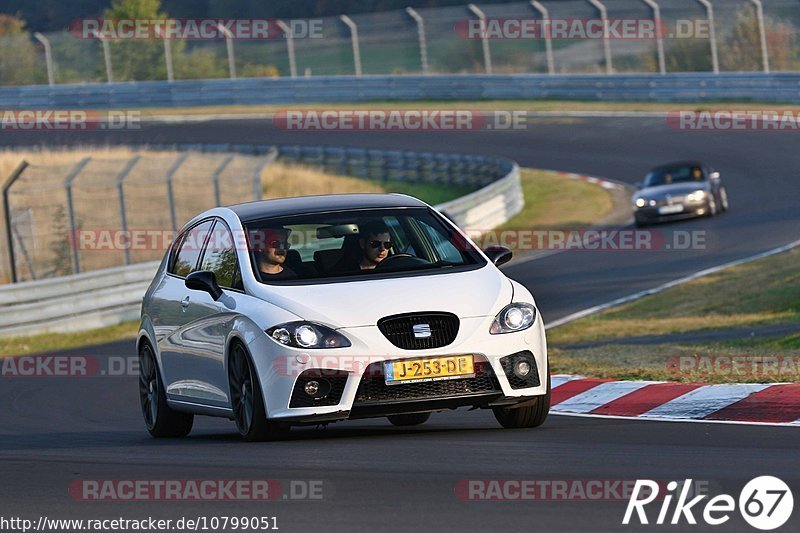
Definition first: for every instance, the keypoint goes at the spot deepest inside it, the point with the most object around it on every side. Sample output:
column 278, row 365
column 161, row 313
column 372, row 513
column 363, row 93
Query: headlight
column 514, row 317
column 641, row 202
column 307, row 335
column 696, row 196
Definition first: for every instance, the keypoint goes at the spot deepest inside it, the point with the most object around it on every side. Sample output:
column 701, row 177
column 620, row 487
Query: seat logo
column 421, row 331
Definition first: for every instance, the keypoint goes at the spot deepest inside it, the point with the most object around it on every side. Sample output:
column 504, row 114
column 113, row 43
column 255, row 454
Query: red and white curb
column 754, row 403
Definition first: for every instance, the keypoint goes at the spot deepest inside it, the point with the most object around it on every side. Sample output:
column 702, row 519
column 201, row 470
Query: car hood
column 481, row 292
column 675, row 189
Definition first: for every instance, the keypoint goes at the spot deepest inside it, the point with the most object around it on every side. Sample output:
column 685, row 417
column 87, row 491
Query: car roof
column 319, row 204
column 679, row 164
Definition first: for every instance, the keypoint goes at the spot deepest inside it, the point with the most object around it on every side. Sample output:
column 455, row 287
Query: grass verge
column 764, row 292
column 548, row 106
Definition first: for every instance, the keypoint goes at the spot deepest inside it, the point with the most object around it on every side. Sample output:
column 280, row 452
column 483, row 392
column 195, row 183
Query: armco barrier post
column 73, row 223
column 7, row 214
column 48, row 58
column 167, row 55
column 215, row 178
column 258, row 193
column 423, row 46
column 548, row 39
column 170, row 190
column 123, row 214
column 606, row 43
column 287, row 31
column 354, row 38
column 662, row 63
column 487, row 54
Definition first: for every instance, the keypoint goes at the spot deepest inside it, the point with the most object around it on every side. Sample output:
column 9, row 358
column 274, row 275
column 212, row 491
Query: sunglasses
column 387, row 245
column 279, row 245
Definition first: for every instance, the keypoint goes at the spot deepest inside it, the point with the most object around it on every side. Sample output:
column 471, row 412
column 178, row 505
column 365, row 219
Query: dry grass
column 282, row 180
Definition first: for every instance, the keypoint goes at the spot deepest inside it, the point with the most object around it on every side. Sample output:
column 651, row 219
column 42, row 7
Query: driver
column 374, row 243
column 270, row 246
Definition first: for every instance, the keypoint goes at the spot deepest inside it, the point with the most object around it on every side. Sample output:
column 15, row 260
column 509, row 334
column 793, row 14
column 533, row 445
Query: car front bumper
column 358, row 387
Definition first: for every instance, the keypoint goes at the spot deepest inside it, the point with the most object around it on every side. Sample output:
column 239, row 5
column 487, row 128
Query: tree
column 138, row 59
column 18, row 61
column 742, row 48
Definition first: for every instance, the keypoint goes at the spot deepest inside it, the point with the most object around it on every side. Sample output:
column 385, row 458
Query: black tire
column 411, row 419
column 247, row 401
column 160, row 419
column 532, row 415
column 639, row 222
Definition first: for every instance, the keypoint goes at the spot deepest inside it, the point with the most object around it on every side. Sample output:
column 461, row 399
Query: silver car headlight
column 514, row 317
column 641, row 202
column 697, row 196
column 307, row 335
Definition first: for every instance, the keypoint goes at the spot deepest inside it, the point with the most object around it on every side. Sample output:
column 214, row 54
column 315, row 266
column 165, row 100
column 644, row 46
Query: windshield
column 370, row 243
column 670, row 175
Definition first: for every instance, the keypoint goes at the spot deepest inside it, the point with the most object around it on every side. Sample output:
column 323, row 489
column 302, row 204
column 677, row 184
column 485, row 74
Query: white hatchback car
column 319, row 309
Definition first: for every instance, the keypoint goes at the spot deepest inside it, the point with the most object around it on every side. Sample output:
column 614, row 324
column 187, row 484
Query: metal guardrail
column 105, row 297
column 672, row 87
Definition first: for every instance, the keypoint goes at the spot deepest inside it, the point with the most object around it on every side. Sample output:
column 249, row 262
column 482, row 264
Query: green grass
column 759, row 293
column 48, row 342
column 427, row 192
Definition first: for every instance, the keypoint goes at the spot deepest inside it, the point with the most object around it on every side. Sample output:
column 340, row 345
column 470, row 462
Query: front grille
column 516, row 382
column 336, row 378
column 373, row 387
column 399, row 329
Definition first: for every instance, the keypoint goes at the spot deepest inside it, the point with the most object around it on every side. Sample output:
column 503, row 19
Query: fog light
column 311, row 388
column 522, row 369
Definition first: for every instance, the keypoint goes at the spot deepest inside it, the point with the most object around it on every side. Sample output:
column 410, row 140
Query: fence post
column 215, row 178
column 7, row 214
column 229, row 45
column 107, row 57
column 287, row 31
column 354, row 38
column 123, row 215
column 423, row 46
column 167, row 55
column 73, row 224
column 487, row 54
column 258, row 193
column 762, row 32
column 712, row 34
column 548, row 38
column 170, row 192
column 48, row 58
column 662, row 63
column 606, row 43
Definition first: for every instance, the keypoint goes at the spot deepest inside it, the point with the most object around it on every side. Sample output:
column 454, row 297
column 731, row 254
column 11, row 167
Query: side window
column 188, row 253
column 445, row 249
column 220, row 256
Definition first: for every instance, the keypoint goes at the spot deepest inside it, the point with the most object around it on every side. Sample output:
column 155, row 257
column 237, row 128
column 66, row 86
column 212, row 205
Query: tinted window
column 669, row 175
column 369, row 242
column 220, row 256
column 191, row 245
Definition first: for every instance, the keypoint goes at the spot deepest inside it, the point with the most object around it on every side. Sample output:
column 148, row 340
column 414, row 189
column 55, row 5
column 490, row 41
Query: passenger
column 374, row 243
column 270, row 246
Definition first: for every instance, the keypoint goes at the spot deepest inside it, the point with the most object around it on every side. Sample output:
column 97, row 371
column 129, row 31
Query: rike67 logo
column 765, row 503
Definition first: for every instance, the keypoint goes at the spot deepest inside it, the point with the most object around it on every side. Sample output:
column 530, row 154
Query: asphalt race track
column 375, row 476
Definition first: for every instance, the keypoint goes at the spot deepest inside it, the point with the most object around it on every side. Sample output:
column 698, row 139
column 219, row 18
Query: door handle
column 185, row 303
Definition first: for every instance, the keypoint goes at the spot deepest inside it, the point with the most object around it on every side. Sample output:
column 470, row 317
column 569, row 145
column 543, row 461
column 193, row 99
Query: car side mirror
column 205, row 281
column 714, row 176
column 499, row 255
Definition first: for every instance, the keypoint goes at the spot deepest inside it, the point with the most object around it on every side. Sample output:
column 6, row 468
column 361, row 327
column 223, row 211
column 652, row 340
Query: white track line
column 669, row 285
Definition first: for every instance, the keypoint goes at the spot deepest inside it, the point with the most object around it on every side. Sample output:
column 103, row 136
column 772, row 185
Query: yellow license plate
column 429, row 369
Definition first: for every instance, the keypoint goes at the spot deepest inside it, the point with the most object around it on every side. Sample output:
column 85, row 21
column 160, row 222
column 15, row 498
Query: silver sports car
column 679, row 190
